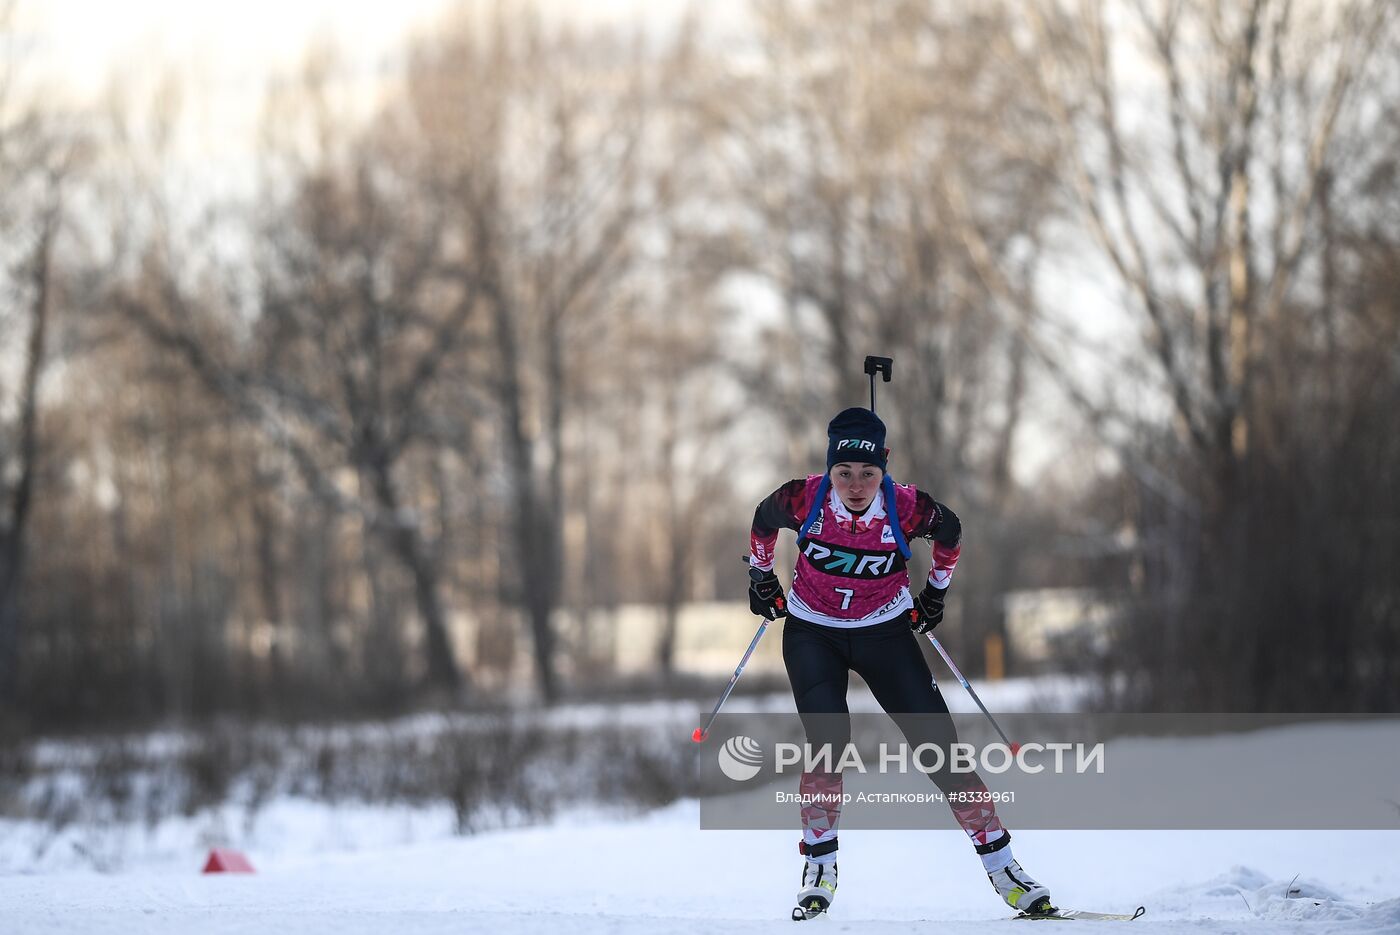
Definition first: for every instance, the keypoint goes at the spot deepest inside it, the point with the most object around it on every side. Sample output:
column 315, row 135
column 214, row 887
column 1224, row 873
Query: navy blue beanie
column 856, row 435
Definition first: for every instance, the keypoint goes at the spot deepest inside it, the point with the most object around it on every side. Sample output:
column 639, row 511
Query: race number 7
column 847, row 594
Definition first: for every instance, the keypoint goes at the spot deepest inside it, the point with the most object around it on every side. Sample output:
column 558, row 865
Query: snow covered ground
column 349, row 869
column 322, row 870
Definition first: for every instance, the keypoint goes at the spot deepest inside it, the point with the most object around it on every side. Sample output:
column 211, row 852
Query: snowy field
column 321, row 871
column 357, row 868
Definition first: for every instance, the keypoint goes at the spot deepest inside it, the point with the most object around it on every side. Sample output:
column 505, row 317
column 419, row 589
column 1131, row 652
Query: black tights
column 819, row 659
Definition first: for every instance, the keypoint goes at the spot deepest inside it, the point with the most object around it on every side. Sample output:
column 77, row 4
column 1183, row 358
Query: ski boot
column 818, row 881
column 1021, row 892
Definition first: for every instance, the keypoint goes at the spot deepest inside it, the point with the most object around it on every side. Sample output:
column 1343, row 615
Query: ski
column 1071, row 915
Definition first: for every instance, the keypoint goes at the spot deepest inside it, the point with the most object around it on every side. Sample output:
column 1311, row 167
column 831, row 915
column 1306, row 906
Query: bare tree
column 531, row 140
column 1207, row 223
column 21, row 453
column 356, row 328
column 36, row 160
column 1202, row 146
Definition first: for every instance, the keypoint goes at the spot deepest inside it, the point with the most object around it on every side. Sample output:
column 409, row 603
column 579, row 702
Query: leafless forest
column 525, row 339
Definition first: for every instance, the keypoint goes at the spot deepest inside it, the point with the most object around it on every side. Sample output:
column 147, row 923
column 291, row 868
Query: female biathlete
column 850, row 610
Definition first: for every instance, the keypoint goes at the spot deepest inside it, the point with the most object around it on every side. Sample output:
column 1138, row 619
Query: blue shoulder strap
column 817, row 503
column 892, row 513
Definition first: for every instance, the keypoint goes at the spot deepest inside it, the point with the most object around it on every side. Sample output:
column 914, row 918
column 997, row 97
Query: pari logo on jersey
column 740, row 758
column 850, row 563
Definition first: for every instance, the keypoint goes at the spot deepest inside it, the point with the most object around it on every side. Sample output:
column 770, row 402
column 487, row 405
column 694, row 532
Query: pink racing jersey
column 850, row 572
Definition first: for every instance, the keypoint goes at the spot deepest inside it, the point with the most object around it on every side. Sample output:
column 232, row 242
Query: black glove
column 928, row 609
column 766, row 594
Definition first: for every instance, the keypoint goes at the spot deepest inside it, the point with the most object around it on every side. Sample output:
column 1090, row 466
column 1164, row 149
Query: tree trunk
column 265, row 533
column 407, row 546
column 12, row 535
column 537, row 572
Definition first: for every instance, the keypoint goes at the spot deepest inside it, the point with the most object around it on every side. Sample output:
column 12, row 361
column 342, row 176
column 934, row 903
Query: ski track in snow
column 659, row 873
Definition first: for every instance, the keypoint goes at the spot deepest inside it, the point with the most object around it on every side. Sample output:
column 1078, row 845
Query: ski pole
column 702, row 732
column 1015, row 747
